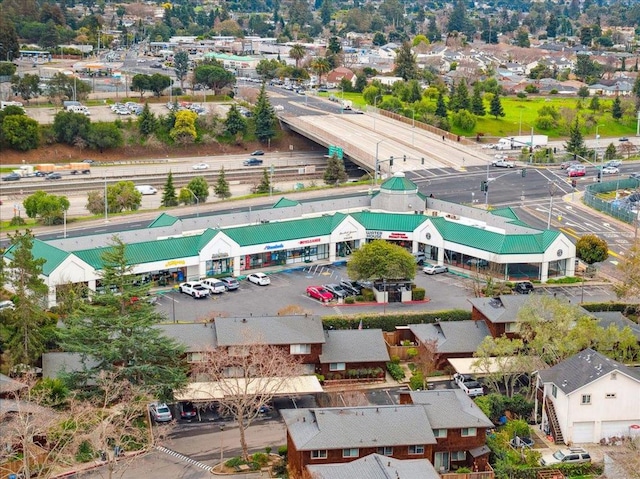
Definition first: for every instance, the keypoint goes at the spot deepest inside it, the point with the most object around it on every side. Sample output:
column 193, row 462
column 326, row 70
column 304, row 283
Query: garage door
column 615, row 429
column 582, row 432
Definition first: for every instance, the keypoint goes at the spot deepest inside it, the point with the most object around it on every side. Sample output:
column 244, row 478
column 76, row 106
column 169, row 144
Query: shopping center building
column 292, row 234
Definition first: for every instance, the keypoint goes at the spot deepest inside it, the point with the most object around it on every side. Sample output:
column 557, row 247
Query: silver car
column 435, row 269
column 161, row 413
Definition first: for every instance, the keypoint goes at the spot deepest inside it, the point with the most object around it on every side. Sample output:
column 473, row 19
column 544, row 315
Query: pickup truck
column 503, row 163
column 470, row 386
column 194, row 289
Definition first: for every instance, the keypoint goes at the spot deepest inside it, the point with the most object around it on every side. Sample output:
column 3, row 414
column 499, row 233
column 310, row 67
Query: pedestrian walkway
column 184, row 458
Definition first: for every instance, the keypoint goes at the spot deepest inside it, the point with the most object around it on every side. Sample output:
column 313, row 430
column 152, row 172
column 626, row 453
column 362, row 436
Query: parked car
column 610, row 170
column 319, row 293
column 161, row 413
column 230, row 283
column 194, row 289
column 435, row 269
column 257, row 153
column 481, row 263
column 351, row 286
column 420, row 257
column 88, row 160
column 53, row 176
column 11, row 177
column 337, row 290
column 260, row 279
column 252, row 162
column 572, row 455
column 523, row 287
column 214, row 286
column 187, row 410
column 519, row 442
column 200, row 166
column 624, row 138
column 6, row 304
column 469, row 385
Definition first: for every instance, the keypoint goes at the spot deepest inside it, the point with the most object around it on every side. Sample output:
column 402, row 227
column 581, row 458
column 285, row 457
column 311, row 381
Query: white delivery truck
column 517, row 142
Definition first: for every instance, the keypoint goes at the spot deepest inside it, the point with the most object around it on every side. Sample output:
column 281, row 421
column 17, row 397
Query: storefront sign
column 175, row 262
column 398, row 236
column 310, row 241
column 270, row 247
column 347, row 235
column 374, row 234
column 219, row 255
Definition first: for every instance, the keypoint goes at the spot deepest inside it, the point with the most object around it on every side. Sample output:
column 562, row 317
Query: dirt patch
column 59, row 153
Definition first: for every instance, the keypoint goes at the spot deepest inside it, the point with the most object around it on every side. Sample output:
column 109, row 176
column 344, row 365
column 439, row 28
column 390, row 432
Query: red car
column 319, row 293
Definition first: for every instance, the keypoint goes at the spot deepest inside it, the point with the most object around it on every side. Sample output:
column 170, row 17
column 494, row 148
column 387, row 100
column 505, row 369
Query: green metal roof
column 53, row 256
column 284, row 230
column 149, row 251
column 399, row 183
column 163, row 220
column 492, row 241
column 284, row 203
column 506, row 212
column 389, row 221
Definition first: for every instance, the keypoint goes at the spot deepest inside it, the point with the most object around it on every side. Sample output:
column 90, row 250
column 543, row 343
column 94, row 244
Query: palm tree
column 297, row 52
column 321, row 66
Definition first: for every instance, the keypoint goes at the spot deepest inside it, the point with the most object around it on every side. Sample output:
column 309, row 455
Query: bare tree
column 501, row 363
column 426, row 360
column 246, row 378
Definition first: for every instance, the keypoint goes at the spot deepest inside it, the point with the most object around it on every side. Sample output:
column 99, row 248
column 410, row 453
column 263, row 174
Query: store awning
column 465, row 365
column 213, row 391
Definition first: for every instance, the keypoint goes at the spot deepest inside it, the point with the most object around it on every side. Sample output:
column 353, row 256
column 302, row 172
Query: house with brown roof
column 336, row 75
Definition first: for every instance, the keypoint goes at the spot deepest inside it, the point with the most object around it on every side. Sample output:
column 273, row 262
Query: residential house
column 589, row 397
column 336, row 76
column 196, row 338
column 300, row 335
column 614, row 87
column 353, row 354
column 459, row 427
column 607, row 319
column 454, row 339
column 321, row 436
column 499, row 314
column 374, row 466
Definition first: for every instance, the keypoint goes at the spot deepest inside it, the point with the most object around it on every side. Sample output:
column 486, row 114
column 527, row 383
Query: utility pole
column 553, row 188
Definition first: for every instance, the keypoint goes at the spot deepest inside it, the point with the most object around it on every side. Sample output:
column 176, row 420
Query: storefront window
column 217, row 267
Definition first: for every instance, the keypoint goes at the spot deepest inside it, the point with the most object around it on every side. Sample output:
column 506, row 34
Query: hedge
column 611, row 306
column 388, row 322
column 569, row 470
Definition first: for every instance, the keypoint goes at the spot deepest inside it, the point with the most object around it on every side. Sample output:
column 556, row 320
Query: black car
column 524, row 287
column 257, row 153
column 11, row 177
column 252, row 162
column 351, row 286
column 187, row 410
column 53, row 176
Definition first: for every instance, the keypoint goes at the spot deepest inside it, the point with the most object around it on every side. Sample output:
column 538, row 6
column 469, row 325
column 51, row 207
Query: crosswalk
column 186, row 459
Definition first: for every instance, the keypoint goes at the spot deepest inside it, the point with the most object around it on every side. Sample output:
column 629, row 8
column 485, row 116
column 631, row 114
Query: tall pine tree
column 169, row 197
column 616, row 108
column 441, row 106
column 495, row 107
column 221, row 188
column 575, row 143
column 264, row 117
column 477, row 103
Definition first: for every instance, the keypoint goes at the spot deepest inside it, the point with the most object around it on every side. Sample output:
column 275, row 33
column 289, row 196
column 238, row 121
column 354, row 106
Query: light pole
column 375, row 113
column 197, row 201
column 598, row 144
column 413, row 125
column 553, row 188
column 106, row 208
column 375, row 172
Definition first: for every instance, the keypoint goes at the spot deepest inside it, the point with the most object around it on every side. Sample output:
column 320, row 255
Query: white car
column 278, row 108
column 161, row 413
column 610, row 170
column 572, row 455
column 435, row 269
column 259, row 279
column 214, row 285
column 200, row 166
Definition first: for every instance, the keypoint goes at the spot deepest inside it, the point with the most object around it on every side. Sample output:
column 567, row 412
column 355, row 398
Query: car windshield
column 558, row 455
column 163, row 410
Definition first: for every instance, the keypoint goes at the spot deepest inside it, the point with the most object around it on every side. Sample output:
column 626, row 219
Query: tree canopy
column 380, row 260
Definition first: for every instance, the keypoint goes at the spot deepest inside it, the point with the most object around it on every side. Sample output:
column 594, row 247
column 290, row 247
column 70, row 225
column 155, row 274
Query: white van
column 146, row 189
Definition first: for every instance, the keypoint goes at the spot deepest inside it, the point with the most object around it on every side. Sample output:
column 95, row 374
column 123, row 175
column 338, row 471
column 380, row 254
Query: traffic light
column 575, row 157
column 391, row 161
column 422, row 160
column 484, row 186
column 574, row 183
column 524, row 172
column 404, row 158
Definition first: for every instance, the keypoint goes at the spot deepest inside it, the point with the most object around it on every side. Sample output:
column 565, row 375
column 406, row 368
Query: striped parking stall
column 184, row 458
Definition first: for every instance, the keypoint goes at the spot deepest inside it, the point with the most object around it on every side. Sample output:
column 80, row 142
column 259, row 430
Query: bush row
column 388, row 322
column 622, row 307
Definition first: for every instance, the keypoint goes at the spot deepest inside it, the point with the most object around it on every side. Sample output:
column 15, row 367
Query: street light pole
column 106, row 209
column 553, row 188
column 197, row 201
column 375, row 173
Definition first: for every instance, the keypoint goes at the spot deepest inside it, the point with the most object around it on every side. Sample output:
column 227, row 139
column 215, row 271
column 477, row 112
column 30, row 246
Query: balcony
column 488, row 474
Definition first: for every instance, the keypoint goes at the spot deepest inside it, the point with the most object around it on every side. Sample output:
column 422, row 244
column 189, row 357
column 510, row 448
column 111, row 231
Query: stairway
column 553, row 422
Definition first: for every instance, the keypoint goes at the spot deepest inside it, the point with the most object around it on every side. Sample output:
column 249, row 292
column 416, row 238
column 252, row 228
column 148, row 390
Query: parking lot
column 444, row 291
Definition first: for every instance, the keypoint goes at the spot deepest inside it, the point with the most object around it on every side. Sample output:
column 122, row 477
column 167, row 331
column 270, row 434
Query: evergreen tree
column 453, row 98
column 335, row 172
column 235, row 124
column 611, row 152
column 406, row 66
column 462, row 97
column 169, row 197
column 25, row 326
column 552, row 26
column 477, row 104
column 623, row 64
column 181, row 66
column 441, row 106
column 616, row 108
column 495, row 107
column 117, row 332
column 264, row 117
column 433, row 34
column 147, row 122
column 575, row 143
column 221, row 188
column 325, row 12
column 594, row 104
column 458, row 19
column 265, row 184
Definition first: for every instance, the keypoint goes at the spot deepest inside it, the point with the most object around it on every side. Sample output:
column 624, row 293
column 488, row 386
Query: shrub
column 17, row 221
column 545, row 123
column 235, row 462
column 395, row 359
column 395, row 371
column 418, row 294
column 416, row 381
column 389, row 322
column 260, row 458
column 360, row 298
column 412, row 353
column 521, row 95
column 464, row 120
column 267, row 450
column 567, row 280
column 368, row 295
column 85, row 452
column 349, row 300
column 282, row 451
column 553, row 91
